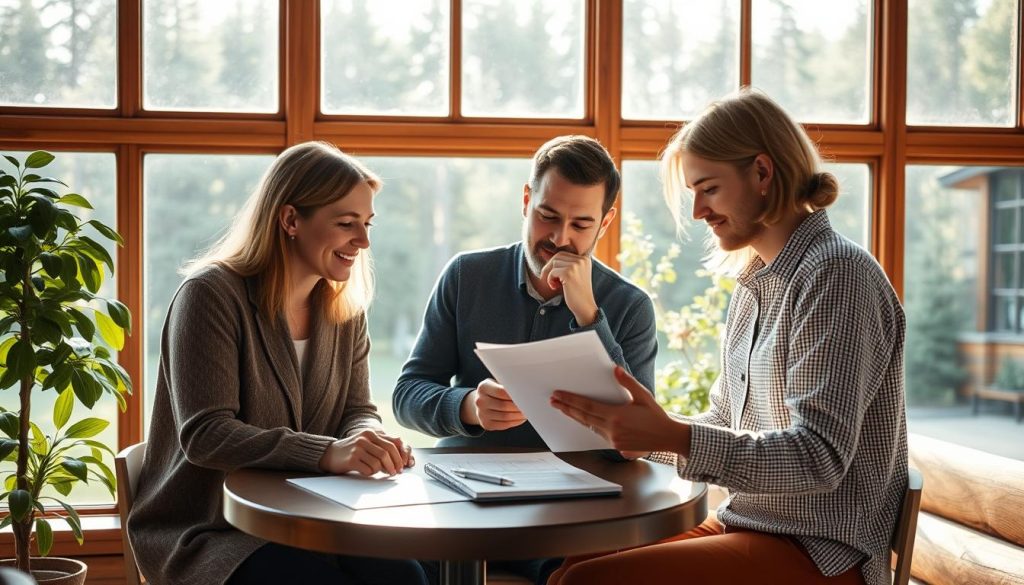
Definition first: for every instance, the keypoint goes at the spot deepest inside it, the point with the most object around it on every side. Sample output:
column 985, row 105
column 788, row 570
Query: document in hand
column 533, row 475
column 531, row 371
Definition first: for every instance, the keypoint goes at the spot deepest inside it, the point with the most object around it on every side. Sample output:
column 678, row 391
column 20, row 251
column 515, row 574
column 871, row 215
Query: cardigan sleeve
column 201, row 353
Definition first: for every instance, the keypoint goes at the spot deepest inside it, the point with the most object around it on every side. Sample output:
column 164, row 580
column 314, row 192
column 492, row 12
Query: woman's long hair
column 736, row 129
column 306, row 176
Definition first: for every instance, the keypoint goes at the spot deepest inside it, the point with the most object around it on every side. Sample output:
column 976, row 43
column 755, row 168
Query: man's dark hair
column 582, row 160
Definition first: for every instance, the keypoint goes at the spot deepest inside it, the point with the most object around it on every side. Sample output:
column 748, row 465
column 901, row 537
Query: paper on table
column 535, row 475
column 408, row 488
column 531, row 371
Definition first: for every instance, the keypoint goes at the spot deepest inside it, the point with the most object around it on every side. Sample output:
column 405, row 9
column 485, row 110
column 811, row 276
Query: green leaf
column 8, row 181
column 96, row 445
column 90, row 272
column 63, row 487
column 85, row 325
column 52, row 264
column 11, row 482
column 62, row 409
column 67, row 220
column 20, row 502
column 76, row 200
column 8, row 379
column 59, row 378
column 76, row 468
column 44, row 536
column 21, row 359
column 85, row 387
column 104, row 469
column 110, row 331
column 46, row 331
column 38, row 159
column 9, row 424
column 45, row 192
column 38, row 179
column 21, row 232
column 85, row 428
column 73, row 520
column 7, row 446
column 97, row 251
column 107, row 232
column 5, row 348
column 120, row 313
column 39, row 444
column 13, row 161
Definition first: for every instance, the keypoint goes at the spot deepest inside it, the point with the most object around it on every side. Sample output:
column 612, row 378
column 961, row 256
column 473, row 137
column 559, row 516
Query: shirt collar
column 786, row 263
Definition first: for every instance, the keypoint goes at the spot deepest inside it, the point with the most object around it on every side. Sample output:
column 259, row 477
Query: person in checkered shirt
column 807, row 424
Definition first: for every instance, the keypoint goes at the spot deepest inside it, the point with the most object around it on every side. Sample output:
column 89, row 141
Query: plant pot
column 54, row 570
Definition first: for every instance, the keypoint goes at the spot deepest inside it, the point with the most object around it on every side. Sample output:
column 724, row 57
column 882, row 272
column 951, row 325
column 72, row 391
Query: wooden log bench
column 971, row 526
column 1015, row 397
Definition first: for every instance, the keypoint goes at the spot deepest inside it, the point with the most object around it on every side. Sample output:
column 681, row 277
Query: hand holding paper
column 639, row 426
column 530, row 372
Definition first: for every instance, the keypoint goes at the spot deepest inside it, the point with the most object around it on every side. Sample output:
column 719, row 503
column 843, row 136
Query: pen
column 482, row 476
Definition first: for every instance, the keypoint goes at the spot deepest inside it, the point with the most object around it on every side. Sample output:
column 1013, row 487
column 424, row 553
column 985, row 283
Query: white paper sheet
column 531, row 371
column 408, row 488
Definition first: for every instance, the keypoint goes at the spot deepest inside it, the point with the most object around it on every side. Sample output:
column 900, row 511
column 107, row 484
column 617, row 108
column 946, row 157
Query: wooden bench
column 971, row 526
column 1015, row 397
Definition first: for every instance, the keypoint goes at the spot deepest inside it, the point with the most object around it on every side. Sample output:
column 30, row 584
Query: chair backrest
column 906, row 528
column 127, row 465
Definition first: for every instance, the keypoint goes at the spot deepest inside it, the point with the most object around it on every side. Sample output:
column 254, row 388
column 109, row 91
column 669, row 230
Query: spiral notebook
column 535, row 475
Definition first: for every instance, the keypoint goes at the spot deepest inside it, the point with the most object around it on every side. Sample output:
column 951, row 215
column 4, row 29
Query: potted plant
column 53, row 326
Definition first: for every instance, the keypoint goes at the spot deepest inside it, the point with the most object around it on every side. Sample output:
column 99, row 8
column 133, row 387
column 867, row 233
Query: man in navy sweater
column 545, row 286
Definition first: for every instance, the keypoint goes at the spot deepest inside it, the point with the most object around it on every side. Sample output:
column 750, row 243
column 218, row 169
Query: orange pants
column 706, row 554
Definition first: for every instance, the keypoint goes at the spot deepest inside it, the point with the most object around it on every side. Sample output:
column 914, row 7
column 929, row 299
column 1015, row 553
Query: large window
column 169, row 112
column 963, row 304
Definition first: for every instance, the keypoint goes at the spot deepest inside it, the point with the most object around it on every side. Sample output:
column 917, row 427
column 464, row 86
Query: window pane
column 677, row 57
column 210, row 56
column 851, row 213
column 1003, row 265
column 395, row 62
column 429, row 210
column 960, row 334
column 814, row 57
column 961, row 63
column 522, row 58
column 189, row 200
column 94, row 176
column 1004, row 185
column 58, row 53
column 1006, row 225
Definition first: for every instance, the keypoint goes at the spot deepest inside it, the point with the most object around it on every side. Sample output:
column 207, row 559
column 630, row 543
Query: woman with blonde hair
column 807, row 425
column 264, row 363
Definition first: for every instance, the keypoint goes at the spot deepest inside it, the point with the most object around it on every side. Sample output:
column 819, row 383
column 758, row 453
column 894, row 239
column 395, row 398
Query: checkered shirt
column 807, row 425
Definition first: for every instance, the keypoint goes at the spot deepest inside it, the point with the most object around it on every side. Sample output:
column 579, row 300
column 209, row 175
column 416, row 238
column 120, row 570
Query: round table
column 655, row 504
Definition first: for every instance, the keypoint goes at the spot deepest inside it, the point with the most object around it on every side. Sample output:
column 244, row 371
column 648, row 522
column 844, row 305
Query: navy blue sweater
column 482, row 296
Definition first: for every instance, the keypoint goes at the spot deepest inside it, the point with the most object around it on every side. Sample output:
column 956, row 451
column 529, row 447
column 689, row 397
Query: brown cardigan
column 229, row 395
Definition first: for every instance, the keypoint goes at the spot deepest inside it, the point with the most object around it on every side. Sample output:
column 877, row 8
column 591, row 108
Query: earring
column 291, row 237
column 764, row 193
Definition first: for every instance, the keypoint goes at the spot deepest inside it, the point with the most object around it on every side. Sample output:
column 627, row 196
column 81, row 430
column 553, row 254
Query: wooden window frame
column 886, row 144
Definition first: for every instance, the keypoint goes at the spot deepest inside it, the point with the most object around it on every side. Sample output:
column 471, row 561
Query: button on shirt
column 807, row 425
column 486, row 296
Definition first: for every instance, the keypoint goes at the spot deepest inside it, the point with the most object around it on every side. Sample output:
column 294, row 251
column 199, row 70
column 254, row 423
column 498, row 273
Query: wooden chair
column 127, row 465
column 906, row 528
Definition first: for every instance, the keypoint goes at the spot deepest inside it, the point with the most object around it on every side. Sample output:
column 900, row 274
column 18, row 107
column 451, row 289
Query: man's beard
column 533, row 259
